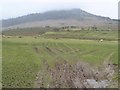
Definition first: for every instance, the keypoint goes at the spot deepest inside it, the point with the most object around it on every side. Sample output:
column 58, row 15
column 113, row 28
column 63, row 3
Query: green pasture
column 24, row 57
column 83, row 34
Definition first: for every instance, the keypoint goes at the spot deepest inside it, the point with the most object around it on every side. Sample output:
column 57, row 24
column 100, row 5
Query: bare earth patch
column 79, row 75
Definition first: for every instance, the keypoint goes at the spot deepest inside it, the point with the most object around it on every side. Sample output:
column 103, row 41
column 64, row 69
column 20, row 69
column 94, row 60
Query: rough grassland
column 83, row 34
column 23, row 57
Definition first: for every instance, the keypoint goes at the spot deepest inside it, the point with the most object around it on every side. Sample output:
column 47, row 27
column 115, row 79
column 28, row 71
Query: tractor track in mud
column 65, row 75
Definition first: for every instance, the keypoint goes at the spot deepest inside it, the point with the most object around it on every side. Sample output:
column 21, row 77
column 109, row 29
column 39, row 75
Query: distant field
column 60, row 33
column 25, row 31
column 24, row 57
column 83, row 34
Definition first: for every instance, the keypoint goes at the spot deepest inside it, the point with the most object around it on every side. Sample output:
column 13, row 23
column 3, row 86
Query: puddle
column 97, row 84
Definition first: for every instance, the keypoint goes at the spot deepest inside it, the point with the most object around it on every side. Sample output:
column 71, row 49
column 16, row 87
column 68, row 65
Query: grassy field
column 60, row 33
column 83, row 34
column 25, row 31
column 24, row 57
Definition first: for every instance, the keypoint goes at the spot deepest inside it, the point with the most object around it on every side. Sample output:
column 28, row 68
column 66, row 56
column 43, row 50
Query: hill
column 76, row 17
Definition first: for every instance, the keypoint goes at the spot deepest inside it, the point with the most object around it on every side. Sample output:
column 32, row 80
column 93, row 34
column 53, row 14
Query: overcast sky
column 15, row 8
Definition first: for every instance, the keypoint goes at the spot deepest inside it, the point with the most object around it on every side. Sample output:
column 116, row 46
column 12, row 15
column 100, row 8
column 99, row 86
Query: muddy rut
column 65, row 75
column 78, row 75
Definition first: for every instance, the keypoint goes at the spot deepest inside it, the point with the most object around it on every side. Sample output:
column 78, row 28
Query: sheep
column 101, row 40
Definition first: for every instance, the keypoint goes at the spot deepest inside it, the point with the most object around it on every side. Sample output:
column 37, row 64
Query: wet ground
column 79, row 75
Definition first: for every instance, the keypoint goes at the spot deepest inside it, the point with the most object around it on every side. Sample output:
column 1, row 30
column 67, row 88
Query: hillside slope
column 76, row 17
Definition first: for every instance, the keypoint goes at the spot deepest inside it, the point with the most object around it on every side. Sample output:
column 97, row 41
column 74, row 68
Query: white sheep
column 101, row 40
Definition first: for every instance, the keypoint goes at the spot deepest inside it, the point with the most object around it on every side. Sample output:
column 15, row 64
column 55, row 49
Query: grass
column 26, row 31
column 23, row 57
column 19, row 65
column 83, row 34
